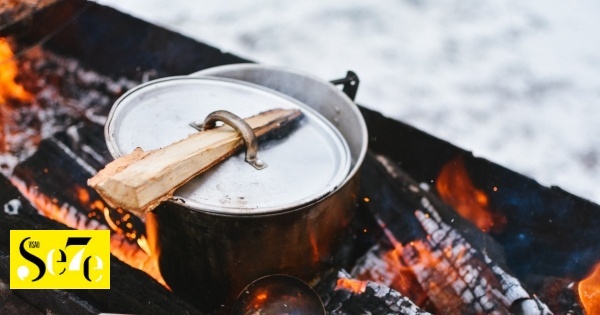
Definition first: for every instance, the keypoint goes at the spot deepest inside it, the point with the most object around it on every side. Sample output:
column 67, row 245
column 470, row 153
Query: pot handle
column 350, row 83
column 240, row 126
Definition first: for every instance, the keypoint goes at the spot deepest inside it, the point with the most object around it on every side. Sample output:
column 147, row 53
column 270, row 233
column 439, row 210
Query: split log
column 459, row 267
column 141, row 180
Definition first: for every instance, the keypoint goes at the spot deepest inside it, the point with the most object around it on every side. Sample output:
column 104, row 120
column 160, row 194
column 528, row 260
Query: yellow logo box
column 65, row 259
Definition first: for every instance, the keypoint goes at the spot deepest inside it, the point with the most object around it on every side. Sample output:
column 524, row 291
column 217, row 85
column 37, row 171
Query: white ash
column 489, row 296
column 12, row 207
column 395, row 301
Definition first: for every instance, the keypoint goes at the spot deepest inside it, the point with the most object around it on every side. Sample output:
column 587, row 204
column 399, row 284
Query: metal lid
column 304, row 166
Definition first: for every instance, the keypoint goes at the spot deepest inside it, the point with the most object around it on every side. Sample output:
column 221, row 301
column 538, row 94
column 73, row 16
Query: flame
column 9, row 89
column 456, row 189
column 589, row 291
column 352, row 285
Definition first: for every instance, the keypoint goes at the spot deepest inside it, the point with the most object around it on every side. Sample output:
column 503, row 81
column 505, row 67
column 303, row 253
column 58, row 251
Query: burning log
column 52, row 93
column 141, row 180
column 561, row 294
column 132, row 291
column 53, row 180
column 460, row 268
column 341, row 294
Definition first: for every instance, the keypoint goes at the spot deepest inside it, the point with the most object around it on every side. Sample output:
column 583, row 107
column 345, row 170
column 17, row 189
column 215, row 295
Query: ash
column 65, row 93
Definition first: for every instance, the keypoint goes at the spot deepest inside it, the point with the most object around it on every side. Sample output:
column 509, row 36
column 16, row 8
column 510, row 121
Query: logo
column 69, row 259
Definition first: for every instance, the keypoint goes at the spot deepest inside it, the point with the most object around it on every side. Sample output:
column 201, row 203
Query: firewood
column 341, row 294
column 131, row 290
column 459, row 267
column 141, row 180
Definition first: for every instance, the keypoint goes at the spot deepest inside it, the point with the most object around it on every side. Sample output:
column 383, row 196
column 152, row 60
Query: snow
column 515, row 82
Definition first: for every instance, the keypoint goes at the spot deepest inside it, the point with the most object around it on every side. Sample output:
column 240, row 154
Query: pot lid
column 304, row 166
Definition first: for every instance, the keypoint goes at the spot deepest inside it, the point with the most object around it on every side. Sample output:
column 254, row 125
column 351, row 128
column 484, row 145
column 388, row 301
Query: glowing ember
column 456, row 189
column 352, row 285
column 589, row 291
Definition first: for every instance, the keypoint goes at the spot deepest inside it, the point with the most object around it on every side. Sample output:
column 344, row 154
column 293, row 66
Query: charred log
column 136, row 47
column 561, row 294
column 14, row 11
column 12, row 304
column 62, row 93
column 132, row 291
column 460, row 268
column 341, row 294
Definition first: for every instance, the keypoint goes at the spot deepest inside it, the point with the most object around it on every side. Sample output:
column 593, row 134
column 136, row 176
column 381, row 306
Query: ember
column 456, row 189
column 352, row 285
column 589, row 291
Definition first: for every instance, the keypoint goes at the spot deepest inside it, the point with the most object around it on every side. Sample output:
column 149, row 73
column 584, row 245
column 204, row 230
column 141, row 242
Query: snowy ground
column 515, row 82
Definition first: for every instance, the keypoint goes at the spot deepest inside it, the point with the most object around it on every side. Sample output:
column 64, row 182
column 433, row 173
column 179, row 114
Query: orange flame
column 9, row 89
column 352, row 285
column 456, row 189
column 589, row 291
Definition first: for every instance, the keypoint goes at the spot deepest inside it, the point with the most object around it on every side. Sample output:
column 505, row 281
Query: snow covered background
column 515, row 82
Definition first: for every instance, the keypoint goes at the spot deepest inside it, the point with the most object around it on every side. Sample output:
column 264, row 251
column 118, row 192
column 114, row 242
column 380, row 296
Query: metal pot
column 211, row 242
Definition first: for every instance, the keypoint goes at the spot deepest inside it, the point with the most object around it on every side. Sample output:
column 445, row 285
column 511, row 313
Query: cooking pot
column 234, row 224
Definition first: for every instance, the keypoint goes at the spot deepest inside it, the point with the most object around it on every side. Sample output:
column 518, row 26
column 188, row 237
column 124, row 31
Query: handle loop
column 240, row 126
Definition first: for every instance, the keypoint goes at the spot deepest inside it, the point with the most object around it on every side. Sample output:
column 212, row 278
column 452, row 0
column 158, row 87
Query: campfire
column 418, row 246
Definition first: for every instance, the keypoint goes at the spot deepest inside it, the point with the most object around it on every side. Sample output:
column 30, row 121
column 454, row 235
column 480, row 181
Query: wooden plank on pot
column 139, row 181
